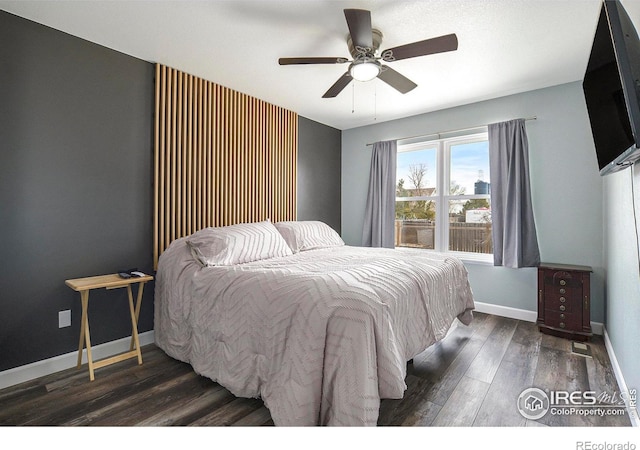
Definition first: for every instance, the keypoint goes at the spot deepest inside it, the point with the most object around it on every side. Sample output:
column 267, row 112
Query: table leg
column 134, row 324
column 82, row 321
column 138, row 304
column 84, row 332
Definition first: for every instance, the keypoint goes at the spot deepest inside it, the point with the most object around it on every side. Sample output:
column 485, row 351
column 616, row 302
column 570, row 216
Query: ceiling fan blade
column 312, row 60
column 338, row 86
column 396, row 80
column 440, row 44
column 359, row 23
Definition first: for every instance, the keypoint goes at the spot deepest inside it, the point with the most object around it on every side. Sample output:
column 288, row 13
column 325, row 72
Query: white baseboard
column 522, row 314
column 633, row 412
column 48, row 366
column 506, row 311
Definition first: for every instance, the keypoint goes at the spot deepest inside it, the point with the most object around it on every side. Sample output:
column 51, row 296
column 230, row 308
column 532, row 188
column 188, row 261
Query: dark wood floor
column 472, row 378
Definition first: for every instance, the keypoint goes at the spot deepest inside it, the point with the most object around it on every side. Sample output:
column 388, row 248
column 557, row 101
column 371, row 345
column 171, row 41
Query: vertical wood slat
column 190, row 179
column 181, row 149
column 156, row 165
column 220, row 157
column 167, row 159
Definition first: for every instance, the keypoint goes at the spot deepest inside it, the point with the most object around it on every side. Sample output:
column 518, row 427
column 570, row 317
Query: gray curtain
column 515, row 243
column 380, row 215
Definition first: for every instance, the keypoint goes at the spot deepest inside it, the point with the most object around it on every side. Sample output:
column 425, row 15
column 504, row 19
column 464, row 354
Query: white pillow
column 308, row 235
column 237, row 244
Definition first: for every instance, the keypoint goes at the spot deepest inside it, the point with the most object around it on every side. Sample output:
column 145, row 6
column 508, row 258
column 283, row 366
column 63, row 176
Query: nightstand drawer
column 562, row 291
column 559, row 302
column 561, row 279
column 562, row 320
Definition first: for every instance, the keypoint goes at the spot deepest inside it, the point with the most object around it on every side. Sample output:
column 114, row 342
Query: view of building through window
column 443, row 195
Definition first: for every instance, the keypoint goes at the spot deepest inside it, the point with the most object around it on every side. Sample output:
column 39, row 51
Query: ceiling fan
column 363, row 42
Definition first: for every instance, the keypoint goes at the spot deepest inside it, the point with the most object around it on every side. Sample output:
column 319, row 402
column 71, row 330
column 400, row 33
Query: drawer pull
column 563, row 291
column 562, row 308
column 562, row 316
column 562, row 299
column 563, row 283
column 562, row 325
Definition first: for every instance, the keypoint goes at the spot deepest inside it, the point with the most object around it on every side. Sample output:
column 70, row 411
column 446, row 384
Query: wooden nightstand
column 112, row 281
column 564, row 300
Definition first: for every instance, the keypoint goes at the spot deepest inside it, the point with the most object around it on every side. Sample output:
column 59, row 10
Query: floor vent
column 579, row 348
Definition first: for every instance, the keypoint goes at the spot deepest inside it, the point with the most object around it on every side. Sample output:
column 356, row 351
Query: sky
column 467, row 159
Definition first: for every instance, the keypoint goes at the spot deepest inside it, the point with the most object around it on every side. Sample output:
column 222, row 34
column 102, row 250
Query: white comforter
column 320, row 336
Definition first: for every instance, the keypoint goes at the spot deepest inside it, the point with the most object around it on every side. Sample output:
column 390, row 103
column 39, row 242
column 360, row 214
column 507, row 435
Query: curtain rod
column 448, row 131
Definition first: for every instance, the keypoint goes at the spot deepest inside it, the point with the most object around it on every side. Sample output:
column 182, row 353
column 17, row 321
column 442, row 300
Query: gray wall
column 76, row 185
column 567, row 190
column 622, row 261
column 319, row 173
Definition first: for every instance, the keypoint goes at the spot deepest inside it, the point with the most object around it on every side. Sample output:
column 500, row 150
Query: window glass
column 469, row 168
column 429, row 217
column 416, row 224
column 416, row 173
column 470, row 226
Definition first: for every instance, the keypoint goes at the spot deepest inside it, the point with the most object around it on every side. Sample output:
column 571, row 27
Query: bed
column 287, row 312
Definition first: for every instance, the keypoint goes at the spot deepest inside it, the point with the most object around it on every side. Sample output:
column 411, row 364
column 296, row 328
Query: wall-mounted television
column 612, row 90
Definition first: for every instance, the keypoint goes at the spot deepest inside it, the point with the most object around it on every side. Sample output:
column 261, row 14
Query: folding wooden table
column 111, row 281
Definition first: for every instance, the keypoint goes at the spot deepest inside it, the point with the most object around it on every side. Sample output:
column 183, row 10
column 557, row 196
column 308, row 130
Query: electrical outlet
column 64, row 318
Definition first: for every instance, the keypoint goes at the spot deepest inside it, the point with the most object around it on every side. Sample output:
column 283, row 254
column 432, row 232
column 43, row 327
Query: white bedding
column 321, row 336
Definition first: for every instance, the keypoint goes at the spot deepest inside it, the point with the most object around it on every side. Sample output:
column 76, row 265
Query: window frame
column 442, row 195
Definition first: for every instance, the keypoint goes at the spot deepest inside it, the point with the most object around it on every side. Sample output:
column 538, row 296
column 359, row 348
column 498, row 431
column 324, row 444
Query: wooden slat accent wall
column 221, row 157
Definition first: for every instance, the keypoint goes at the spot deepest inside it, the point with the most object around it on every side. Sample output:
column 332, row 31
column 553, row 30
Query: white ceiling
column 505, row 47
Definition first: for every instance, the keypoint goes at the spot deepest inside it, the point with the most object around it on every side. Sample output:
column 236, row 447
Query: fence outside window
column 463, row 237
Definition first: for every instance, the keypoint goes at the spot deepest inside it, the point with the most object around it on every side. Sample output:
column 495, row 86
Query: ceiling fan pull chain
column 375, row 101
column 353, row 98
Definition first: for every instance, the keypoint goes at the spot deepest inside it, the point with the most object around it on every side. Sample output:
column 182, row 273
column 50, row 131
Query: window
column 443, row 196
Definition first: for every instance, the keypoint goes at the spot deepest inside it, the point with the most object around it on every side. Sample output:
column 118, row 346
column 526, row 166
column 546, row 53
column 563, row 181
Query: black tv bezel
column 620, row 29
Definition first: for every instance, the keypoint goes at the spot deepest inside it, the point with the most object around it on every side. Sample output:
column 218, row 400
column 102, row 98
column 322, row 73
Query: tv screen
column 611, row 89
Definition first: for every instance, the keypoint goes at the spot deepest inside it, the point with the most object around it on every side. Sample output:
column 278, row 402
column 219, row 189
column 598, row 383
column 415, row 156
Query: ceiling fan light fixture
column 364, row 69
column 363, row 42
